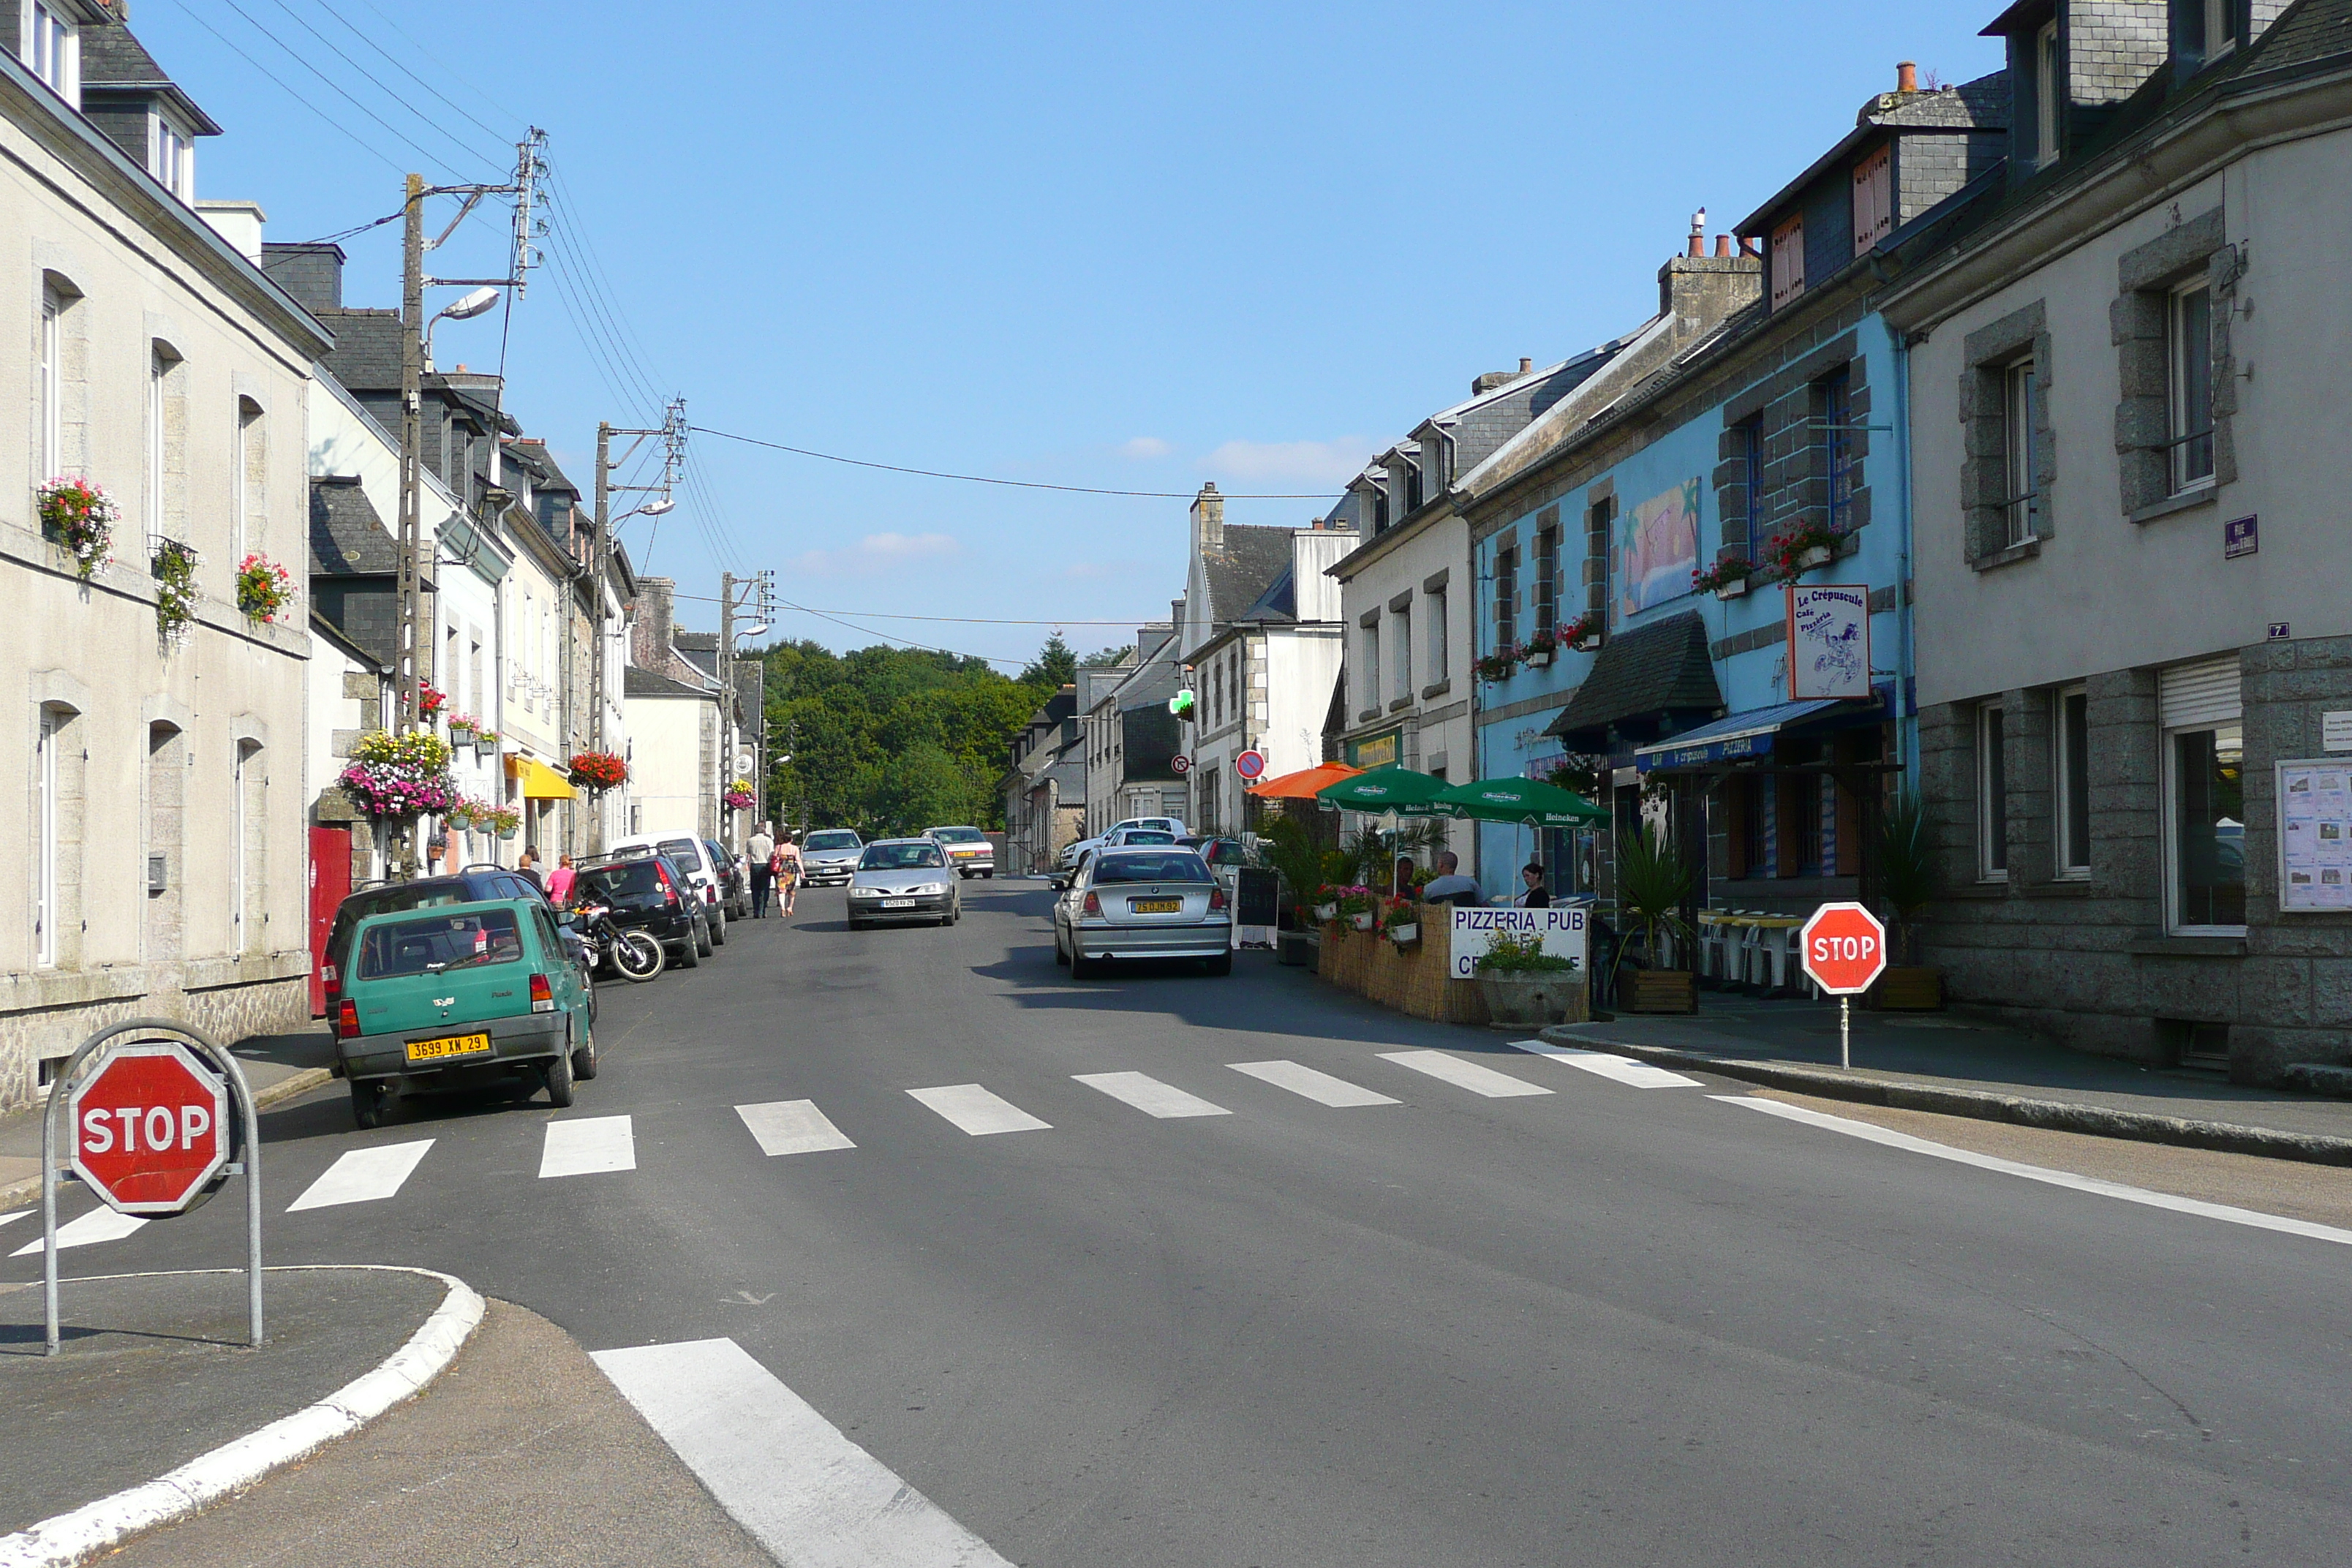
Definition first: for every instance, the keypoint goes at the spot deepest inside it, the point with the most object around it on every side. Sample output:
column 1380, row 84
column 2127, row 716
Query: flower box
column 1405, row 935
column 1327, row 913
column 1732, row 589
column 1818, row 555
column 1532, row 998
column 1539, row 660
column 1362, row 921
column 1588, row 643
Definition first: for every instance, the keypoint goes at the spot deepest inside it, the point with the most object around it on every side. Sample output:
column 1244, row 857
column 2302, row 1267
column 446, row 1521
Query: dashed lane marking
column 364, row 1175
column 101, row 1224
column 1870, row 1132
column 1464, row 1075
column 1150, row 1095
column 976, row 1110
column 588, row 1145
column 1318, row 1087
column 792, row 1127
column 788, row 1476
column 1624, row 1069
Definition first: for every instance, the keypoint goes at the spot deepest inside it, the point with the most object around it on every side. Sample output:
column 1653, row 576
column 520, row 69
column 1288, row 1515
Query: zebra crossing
column 573, row 1147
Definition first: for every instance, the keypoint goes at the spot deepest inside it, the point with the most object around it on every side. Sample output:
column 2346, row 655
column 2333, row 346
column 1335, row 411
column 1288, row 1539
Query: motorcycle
column 635, row 955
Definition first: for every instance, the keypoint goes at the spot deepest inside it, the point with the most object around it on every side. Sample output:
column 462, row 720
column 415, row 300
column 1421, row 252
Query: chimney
column 311, row 273
column 1699, row 291
column 239, row 223
column 1480, row 386
column 1722, row 246
column 1208, row 519
column 1907, row 76
column 1526, row 364
column 650, row 634
column 1698, row 234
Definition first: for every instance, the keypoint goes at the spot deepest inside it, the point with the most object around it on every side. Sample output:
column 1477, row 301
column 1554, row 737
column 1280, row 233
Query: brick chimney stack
column 1208, row 519
column 1907, row 76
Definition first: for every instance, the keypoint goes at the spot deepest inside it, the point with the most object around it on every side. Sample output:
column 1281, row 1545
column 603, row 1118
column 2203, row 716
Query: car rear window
column 440, row 943
column 1146, row 835
column 836, row 840
column 684, row 850
column 1179, row 865
column 637, row 878
column 900, row 857
column 959, row 835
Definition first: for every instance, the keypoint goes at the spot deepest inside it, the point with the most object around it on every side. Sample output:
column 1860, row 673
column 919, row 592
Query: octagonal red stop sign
column 1843, row 949
column 150, row 1128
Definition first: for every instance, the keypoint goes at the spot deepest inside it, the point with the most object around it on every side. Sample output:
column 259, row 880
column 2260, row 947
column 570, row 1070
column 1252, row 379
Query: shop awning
column 1646, row 678
column 1530, row 802
column 538, row 780
column 1381, row 790
column 1302, row 784
column 1738, row 735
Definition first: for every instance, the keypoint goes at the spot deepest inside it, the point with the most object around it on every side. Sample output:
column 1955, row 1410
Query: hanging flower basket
column 486, row 745
column 80, row 516
column 174, row 566
column 739, row 800
column 399, row 775
column 430, row 699
column 505, row 821
column 462, row 727
column 599, row 770
column 264, row 588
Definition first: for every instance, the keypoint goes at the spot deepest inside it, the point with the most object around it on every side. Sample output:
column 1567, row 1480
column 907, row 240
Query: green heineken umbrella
column 1528, row 802
column 1401, row 790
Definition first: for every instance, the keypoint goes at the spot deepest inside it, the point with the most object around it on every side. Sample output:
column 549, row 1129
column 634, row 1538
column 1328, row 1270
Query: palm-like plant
column 1654, row 884
column 1907, row 868
column 1297, row 860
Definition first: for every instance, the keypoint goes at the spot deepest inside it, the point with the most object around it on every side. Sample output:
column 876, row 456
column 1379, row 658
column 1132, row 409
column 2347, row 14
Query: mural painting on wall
column 1657, row 550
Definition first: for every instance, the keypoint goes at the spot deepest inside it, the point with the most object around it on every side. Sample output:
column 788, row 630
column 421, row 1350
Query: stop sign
column 150, row 1128
column 1843, row 949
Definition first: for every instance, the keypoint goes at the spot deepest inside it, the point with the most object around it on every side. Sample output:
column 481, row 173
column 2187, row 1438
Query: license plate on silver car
column 897, row 903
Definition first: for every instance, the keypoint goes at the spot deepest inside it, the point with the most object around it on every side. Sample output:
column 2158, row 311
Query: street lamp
column 464, row 308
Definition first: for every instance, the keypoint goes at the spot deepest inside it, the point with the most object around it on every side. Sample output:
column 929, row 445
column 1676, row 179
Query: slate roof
column 1658, row 668
column 1280, row 600
column 639, row 682
column 113, row 59
column 1980, row 105
column 1241, row 568
column 347, row 538
column 2315, row 31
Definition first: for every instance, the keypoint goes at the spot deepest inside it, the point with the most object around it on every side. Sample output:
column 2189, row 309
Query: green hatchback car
column 460, row 996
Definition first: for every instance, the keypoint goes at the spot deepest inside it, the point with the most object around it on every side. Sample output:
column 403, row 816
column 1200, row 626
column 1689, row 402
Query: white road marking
column 18, row 1213
column 1464, row 1075
column 363, row 1176
column 792, row 1127
column 101, row 1224
column 1319, row 1086
column 976, row 1110
column 1150, row 1095
column 590, row 1144
column 803, row 1490
column 1624, row 1069
column 1870, row 1132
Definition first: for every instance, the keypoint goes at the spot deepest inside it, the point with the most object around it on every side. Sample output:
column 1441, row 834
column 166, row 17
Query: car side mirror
column 568, row 921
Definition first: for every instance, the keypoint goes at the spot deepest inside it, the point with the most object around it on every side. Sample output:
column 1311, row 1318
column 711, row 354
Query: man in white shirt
column 1449, row 886
column 759, row 847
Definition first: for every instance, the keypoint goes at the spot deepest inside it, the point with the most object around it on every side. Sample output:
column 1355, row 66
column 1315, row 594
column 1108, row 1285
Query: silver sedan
column 1142, row 902
column 904, row 879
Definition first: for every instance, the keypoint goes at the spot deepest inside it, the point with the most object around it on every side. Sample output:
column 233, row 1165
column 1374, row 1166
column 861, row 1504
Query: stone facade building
column 2135, row 656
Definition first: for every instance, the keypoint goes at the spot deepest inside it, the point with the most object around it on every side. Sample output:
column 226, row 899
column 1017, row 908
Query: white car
column 830, row 856
column 1171, row 825
column 692, row 853
column 969, row 851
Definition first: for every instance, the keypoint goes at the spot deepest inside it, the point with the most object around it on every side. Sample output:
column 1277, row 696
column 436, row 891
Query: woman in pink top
column 559, row 884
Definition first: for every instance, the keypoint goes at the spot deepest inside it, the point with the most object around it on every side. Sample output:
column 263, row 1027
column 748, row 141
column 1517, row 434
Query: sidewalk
column 1940, row 1062
column 277, row 1067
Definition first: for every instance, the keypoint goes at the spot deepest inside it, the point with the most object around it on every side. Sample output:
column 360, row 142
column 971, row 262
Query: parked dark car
column 474, row 884
column 734, row 880
column 649, row 892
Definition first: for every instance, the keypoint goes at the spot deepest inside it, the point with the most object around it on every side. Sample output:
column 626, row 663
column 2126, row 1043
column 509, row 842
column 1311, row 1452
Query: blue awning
column 1749, row 734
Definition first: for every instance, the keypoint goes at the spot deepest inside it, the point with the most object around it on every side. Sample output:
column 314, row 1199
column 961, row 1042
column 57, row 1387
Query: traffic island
column 156, row 1408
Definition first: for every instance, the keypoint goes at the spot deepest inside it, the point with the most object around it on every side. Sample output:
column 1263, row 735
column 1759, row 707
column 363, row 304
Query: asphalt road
column 1601, row 1324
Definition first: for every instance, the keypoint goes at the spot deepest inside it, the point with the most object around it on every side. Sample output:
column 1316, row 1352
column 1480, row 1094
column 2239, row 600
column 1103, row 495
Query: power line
column 357, row 33
column 953, row 620
column 338, row 88
column 903, row 642
column 984, row 479
column 336, row 49
column 357, row 140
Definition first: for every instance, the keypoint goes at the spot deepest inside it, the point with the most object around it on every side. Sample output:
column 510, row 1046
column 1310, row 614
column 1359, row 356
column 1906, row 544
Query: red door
column 330, row 884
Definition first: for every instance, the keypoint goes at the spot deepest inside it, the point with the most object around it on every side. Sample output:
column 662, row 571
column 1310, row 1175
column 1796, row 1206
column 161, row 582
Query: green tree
column 1053, row 667
column 1107, row 657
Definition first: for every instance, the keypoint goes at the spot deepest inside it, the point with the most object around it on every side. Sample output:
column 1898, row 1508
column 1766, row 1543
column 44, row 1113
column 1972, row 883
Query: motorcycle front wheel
column 637, row 956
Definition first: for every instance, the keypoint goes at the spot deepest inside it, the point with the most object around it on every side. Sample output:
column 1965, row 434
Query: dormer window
column 2048, row 89
column 1874, row 200
column 1788, row 261
column 171, row 157
column 2212, row 28
column 52, row 45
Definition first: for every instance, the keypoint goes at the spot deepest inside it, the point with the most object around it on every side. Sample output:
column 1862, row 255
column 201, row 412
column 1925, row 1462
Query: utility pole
column 672, row 432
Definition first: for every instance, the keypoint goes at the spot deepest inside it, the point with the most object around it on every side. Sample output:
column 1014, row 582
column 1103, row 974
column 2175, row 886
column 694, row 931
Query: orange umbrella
column 1302, row 784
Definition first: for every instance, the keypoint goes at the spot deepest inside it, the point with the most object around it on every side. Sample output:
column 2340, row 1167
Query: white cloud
column 1144, row 447
column 1302, row 462
column 876, row 552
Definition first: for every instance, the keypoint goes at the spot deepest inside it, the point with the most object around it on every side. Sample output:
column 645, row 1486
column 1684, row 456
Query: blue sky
column 1126, row 246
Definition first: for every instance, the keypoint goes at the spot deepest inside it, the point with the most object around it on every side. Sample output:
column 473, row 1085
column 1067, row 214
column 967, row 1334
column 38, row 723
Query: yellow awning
column 538, row 780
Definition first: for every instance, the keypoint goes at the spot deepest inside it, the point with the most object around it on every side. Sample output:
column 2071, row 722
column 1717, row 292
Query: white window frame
column 1371, row 646
column 239, row 489
column 2070, row 861
column 2179, row 356
column 1436, row 638
column 1402, row 663
column 2171, row 824
column 171, row 155
column 159, row 372
column 51, row 47
column 1990, row 772
column 236, row 847
column 2020, row 393
column 53, row 384
column 2220, row 37
column 2048, row 93
column 45, row 840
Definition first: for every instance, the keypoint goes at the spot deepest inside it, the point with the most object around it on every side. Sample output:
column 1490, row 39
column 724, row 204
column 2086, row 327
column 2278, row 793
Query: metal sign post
column 1843, row 949
column 154, row 1146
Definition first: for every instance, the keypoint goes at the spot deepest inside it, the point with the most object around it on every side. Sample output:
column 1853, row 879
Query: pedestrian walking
column 527, row 868
column 787, row 861
column 560, row 880
column 761, row 848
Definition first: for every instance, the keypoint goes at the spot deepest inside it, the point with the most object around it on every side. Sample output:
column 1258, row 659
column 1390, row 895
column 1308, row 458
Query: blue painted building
column 1689, row 598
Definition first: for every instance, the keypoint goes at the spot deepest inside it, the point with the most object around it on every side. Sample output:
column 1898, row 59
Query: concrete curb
column 76, row 1536
column 28, row 1190
column 2060, row 1115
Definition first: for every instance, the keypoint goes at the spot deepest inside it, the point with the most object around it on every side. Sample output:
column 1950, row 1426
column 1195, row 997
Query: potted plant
column 430, row 699
column 1726, row 579
column 1537, row 651
column 1654, row 883
column 486, row 745
column 1907, row 872
column 1401, row 918
column 599, row 770
column 737, row 800
column 1584, row 633
column 460, row 815
column 462, row 727
column 506, row 821
column 1814, row 545
column 174, row 566
column 1496, row 666
column 264, row 588
column 80, row 516
column 1584, row 776
column 1525, row 986
column 1360, row 907
column 395, row 775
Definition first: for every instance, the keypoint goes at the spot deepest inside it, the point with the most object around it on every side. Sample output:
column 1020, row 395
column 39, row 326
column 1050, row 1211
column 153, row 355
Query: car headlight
column 865, row 892
column 929, row 890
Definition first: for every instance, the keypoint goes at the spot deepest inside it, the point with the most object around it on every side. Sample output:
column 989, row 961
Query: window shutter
column 1873, row 205
column 2205, row 692
column 1788, row 261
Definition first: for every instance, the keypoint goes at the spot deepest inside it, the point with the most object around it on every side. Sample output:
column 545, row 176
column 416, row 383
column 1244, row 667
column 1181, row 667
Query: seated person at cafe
column 1449, row 886
column 1536, row 896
